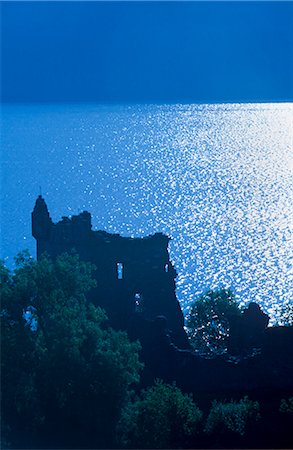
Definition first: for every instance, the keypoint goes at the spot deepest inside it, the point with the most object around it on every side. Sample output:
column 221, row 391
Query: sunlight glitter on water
column 216, row 178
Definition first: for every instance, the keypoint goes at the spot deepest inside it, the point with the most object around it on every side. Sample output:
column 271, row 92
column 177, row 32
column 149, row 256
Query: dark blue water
column 216, row 178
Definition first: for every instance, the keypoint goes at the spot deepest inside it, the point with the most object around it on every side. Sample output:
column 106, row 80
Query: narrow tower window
column 120, row 271
column 166, row 268
column 138, row 302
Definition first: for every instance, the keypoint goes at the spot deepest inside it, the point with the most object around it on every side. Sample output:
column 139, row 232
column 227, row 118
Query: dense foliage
column 162, row 417
column 209, row 319
column 286, row 316
column 65, row 374
column 67, row 377
column 231, row 416
column 286, row 406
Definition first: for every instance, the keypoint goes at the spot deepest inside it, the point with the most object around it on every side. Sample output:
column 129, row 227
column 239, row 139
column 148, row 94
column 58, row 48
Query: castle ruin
column 135, row 277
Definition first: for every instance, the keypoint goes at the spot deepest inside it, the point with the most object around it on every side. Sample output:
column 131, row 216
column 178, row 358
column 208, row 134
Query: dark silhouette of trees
column 65, row 374
column 67, row 378
column 286, row 316
column 209, row 321
column 233, row 416
column 162, row 417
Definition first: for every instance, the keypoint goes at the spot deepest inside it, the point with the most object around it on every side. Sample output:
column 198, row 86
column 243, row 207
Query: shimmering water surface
column 216, row 178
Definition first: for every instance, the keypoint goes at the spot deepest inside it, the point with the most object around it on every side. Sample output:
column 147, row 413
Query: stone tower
column 41, row 224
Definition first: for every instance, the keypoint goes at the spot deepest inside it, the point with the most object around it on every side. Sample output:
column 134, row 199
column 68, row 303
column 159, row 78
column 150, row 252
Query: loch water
column 216, row 178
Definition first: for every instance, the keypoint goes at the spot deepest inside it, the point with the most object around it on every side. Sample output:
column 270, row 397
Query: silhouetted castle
column 135, row 276
column 136, row 287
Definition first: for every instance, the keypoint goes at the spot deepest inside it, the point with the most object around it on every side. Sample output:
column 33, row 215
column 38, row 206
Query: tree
column 231, row 416
column 286, row 316
column 286, row 406
column 163, row 417
column 63, row 369
column 209, row 321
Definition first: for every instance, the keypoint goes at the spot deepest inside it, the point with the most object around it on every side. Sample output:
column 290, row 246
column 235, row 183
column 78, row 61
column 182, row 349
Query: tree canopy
column 209, row 319
column 162, row 417
column 233, row 416
column 65, row 373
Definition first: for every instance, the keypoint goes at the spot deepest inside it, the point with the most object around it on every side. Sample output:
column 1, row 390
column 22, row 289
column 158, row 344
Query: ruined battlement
column 134, row 275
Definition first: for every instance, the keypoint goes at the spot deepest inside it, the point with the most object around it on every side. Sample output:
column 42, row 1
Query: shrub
column 163, row 417
column 233, row 416
column 208, row 322
column 286, row 406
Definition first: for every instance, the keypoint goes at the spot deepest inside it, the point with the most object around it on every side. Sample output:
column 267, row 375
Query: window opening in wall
column 166, row 268
column 120, row 271
column 138, row 302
